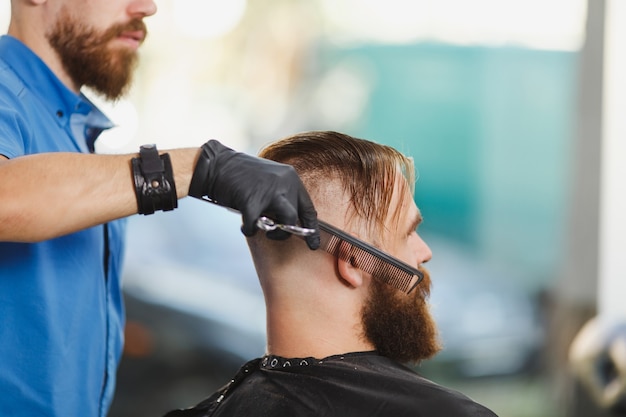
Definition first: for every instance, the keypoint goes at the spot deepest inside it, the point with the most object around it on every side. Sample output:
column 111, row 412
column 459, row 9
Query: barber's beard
column 89, row 60
column 400, row 326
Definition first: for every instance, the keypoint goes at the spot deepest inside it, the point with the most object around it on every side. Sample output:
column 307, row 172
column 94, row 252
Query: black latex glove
column 254, row 187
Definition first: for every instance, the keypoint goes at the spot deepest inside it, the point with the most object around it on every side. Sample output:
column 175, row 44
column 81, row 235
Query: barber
column 62, row 207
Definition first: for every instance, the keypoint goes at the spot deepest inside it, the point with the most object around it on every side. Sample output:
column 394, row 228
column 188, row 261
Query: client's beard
column 400, row 325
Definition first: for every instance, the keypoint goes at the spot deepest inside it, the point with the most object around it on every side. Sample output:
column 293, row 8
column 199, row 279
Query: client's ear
column 347, row 268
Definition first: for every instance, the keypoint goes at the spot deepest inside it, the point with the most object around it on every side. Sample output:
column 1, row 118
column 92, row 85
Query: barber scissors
column 266, row 224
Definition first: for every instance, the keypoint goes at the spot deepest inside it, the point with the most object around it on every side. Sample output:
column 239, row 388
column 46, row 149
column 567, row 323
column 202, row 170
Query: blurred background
column 498, row 101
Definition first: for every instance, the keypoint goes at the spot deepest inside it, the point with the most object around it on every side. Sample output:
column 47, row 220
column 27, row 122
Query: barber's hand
column 255, row 187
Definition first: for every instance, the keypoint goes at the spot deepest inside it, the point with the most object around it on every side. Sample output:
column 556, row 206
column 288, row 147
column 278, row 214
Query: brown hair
column 367, row 171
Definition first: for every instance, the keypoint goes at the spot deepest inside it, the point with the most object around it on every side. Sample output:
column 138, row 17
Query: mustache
column 423, row 288
column 135, row 25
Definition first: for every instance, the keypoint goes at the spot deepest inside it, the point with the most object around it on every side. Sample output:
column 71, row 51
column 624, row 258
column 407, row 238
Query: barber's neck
column 31, row 34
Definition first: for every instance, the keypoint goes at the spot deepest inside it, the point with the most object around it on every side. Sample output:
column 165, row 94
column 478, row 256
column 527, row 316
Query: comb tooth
column 378, row 268
column 330, row 243
column 402, row 281
column 396, row 277
column 383, row 271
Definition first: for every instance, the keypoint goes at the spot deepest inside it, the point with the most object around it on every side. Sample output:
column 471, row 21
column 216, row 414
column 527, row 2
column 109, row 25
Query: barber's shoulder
column 11, row 85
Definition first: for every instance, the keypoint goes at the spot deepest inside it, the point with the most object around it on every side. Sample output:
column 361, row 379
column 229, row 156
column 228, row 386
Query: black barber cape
column 358, row 384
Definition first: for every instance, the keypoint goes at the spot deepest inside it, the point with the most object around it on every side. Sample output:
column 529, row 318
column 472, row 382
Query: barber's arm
column 52, row 194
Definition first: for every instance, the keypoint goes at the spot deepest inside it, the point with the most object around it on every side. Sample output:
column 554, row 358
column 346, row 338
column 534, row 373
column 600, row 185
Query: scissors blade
column 266, row 224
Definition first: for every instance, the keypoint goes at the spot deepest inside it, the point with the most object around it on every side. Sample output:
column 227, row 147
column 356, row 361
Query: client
column 338, row 332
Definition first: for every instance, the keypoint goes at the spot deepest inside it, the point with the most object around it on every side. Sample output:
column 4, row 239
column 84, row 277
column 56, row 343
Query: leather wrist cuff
column 154, row 181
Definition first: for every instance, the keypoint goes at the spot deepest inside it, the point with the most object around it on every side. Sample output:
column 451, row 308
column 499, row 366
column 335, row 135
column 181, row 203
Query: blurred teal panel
column 490, row 130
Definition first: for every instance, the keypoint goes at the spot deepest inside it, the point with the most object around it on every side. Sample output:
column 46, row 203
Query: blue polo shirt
column 61, row 312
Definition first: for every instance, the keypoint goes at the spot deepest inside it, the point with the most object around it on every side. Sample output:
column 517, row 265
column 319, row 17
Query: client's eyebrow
column 417, row 220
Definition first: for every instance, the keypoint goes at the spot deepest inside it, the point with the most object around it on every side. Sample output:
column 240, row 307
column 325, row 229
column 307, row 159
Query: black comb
column 367, row 258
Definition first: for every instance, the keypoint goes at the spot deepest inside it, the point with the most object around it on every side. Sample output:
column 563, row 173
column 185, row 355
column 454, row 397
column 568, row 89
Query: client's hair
column 367, row 171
